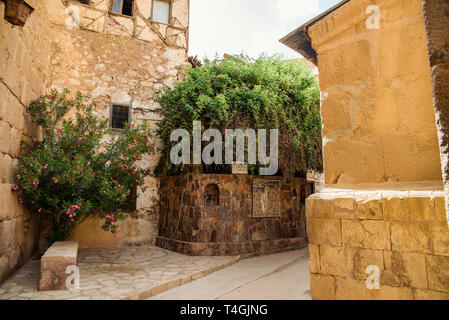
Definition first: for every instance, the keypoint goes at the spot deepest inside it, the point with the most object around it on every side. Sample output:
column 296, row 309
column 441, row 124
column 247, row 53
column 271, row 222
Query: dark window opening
column 119, row 116
column 131, row 202
column 124, row 7
column 86, row 2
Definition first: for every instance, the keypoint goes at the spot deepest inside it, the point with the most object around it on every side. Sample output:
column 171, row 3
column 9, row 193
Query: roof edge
column 299, row 40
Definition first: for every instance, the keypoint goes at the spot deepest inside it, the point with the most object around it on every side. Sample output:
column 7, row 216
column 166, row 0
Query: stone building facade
column 114, row 55
column 381, row 215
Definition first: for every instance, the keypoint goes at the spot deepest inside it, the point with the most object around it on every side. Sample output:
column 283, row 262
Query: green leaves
column 242, row 93
column 62, row 177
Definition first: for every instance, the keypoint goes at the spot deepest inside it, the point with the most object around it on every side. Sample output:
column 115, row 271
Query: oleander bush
column 79, row 168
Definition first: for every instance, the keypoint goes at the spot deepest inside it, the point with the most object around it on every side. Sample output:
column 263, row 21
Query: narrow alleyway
column 277, row 276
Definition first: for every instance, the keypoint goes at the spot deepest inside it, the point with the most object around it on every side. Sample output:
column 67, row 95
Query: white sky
column 249, row 26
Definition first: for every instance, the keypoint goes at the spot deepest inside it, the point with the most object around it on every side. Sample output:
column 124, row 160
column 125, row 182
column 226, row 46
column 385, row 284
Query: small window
column 120, row 114
column 161, row 11
column 86, row 2
column 124, row 7
column 131, row 202
column 211, row 195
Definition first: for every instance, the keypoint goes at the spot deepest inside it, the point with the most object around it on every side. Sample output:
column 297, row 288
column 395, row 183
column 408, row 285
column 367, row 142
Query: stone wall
column 383, row 202
column 111, row 59
column 379, row 122
column 24, row 75
column 436, row 18
column 210, row 230
column 121, row 60
column 403, row 233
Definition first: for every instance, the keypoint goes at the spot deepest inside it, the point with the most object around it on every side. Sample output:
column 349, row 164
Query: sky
column 252, row 27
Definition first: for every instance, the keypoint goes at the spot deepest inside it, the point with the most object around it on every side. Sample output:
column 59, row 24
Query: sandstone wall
column 436, row 16
column 24, row 75
column 111, row 59
column 383, row 202
column 378, row 119
column 404, row 234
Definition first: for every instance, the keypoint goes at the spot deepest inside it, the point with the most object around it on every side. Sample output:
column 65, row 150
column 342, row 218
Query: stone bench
column 54, row 263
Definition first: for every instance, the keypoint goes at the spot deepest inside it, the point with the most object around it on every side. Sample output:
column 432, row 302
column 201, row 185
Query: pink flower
column 35, row 183
column 15, row 188
column 132, row 126
column 20, row 200
column 40, row 209
column 46, row 166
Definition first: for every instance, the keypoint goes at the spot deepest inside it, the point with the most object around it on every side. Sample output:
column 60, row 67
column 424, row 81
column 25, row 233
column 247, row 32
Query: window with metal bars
column 120, row 114
column 124, row 7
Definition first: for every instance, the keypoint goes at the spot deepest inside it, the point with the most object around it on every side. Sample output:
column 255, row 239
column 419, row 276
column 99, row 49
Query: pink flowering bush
column 79, row 168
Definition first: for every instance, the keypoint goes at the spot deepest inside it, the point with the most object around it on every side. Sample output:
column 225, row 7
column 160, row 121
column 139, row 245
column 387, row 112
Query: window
column 124, row 7
column 131, row 201
column 86, row 2
column 120, row 114
column 161, row 11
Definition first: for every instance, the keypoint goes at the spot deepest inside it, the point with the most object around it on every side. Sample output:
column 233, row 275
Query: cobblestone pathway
column 117, row 273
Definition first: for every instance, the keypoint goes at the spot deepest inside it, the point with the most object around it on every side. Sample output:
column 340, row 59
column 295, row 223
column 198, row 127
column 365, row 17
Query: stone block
column 6, row 236
column 54, row 263
column 314, row 252
column 371, row 210
column 410, row 237
column 344, row 208
column 440, row 209
column 404, row 270
column 396, row 209
column 310, row 207
column 440, row 238
column 324, row 231
column 359, row 259
column 351, row 289
column 333, row 260
column 323, row 209
column 421, row 208
column 322, row 287
column 430, row 295
column 369, row 234
column 438, row 272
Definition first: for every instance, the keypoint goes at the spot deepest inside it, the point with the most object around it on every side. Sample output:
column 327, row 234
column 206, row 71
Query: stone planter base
column 229, row 214
column 232, row 249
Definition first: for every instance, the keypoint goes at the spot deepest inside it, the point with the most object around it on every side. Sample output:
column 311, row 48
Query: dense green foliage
column 79, row 168
column 238, row 93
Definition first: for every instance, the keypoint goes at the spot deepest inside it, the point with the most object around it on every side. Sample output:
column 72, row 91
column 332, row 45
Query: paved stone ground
column 117, row 273
column 282, row 276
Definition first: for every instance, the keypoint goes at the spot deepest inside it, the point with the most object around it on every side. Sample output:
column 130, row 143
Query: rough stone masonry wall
column 436, row 18
column 24, row 75
column 404, row 234
column 205, row 230
column 122, row 60
column 111, row 59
